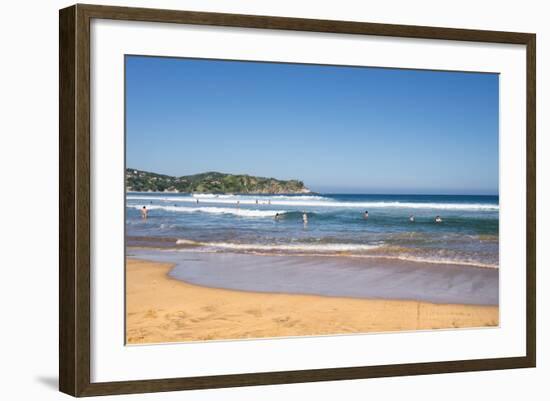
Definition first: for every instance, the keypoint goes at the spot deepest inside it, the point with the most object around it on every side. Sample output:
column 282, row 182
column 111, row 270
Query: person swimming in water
column 304, row 218
column 144, row 213
column 366, row 214
column 197, row 201
column 438, row 219
column 277, row 216
column 411, row 218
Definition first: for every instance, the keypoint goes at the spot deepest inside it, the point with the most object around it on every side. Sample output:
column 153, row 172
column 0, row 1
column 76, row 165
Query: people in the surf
column 366, row 215
column 256, row 201
column 277, row 216
column 238, row 204
column 197, row 201
column 438, row 219
column 304, row 217
column 411, row 218
column 144, row 213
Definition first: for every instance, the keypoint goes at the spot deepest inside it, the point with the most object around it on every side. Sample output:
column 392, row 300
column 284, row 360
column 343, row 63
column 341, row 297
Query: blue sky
column 339, row 129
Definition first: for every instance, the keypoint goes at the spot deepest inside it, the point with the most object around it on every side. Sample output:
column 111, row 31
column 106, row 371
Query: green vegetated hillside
column 210, row 182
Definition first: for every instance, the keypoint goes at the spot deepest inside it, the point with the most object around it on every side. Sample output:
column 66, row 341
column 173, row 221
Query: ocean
column 468, row 234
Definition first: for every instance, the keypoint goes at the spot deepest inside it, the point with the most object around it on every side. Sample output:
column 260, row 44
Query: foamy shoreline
column 304, row 250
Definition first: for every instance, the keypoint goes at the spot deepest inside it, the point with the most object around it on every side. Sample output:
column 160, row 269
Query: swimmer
column 144, row 213
column 411, row 218
column 366, row 214
column 304, row 218
column 438, row 219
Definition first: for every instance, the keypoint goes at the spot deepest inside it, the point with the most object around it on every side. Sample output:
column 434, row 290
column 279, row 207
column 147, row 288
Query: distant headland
column 211, row 182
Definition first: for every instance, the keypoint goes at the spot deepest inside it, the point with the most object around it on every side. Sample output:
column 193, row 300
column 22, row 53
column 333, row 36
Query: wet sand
column 162, row 309
column 335, row 276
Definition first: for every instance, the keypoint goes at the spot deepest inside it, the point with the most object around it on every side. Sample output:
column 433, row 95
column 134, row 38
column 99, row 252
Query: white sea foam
column 321, row 202
column 213, row 196
column 259, row 197
column 285, row 247
column 214, row 210
column 299, row 197
column 432, row 260
column 335, row 249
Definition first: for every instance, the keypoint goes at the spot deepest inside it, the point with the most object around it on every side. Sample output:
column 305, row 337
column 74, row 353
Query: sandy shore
column 161, row 309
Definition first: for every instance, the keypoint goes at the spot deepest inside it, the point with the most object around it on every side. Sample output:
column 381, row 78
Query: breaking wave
column 340, row 249
column 214, row 210
column 321, row 248
column 316, row 201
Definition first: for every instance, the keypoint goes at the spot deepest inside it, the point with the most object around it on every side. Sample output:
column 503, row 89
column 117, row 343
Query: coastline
column 161, row 309
column 338, row 275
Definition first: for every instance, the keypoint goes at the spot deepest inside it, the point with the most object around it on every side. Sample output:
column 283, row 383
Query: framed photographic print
column 250, row 200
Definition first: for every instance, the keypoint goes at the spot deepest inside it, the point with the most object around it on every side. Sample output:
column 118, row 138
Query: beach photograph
column 270, row 200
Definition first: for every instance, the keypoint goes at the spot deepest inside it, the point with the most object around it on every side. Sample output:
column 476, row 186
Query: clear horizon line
column 408, row 193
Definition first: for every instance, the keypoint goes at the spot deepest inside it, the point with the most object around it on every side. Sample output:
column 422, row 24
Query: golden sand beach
column 161, row 309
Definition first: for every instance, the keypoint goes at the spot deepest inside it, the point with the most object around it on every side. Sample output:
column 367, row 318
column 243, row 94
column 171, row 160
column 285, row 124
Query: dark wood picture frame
column 74, row 199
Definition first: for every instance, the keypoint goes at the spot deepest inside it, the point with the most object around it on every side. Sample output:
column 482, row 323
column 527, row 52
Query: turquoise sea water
column 468, row 233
